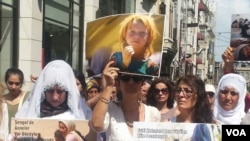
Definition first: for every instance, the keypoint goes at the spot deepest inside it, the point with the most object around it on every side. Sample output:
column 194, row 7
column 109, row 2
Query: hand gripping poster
column 132, row 41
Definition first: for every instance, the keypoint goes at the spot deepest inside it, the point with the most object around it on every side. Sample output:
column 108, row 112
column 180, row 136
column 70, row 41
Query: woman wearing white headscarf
column 230, row 99
column 55, row 95
column 68, row 130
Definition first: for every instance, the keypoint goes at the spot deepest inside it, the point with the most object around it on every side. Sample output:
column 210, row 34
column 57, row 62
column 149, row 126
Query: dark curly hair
column 202, row 111
column 150, row 96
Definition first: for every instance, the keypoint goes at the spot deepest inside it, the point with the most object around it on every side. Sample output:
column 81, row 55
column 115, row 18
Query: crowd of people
column 122, row 99
column 115, row 100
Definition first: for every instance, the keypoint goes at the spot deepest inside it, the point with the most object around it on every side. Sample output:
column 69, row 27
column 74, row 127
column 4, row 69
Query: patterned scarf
column 47, row 110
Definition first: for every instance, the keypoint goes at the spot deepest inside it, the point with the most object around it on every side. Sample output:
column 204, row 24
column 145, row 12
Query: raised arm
column 101, row 108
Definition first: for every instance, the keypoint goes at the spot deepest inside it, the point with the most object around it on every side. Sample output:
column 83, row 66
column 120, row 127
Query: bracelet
column 104, row 100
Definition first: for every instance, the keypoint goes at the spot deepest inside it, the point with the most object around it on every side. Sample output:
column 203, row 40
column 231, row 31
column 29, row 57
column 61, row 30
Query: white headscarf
column 235, row 115
column 60, row 73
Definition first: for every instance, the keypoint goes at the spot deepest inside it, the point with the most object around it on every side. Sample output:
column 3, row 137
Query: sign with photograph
column 165, row 131
column 240, row 37
column 47, row 129
column 132, row 41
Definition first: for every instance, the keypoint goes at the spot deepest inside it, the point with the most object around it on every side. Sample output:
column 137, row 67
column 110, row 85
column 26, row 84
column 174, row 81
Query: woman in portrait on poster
column 137, row 34
column 69, row 132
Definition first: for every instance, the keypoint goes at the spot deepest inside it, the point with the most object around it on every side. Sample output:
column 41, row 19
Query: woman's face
column 185, row 97
column 63, row 129
column 92, row 93
column 137, row 36
column 228, row 98
column 55, row 96
column 14, row 84
column 79, row 86
column 161, row 93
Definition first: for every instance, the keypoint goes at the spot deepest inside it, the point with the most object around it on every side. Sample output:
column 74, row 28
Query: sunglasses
column 210, row 94
column 163, row 91
column 126, row 78
column 233, row 93
column 14, row 83
column 186, row 92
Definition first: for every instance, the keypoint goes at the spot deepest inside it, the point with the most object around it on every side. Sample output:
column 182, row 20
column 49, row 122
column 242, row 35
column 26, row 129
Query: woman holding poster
column 137, row 34
column 117, row 119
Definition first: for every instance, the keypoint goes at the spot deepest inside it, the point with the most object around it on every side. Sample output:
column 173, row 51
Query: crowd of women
column 115, row 101
column 56, row 96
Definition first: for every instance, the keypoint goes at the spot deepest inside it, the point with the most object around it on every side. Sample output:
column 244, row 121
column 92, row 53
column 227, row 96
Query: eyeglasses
column 14, row 83
column 164, row 91
column 52, row 91
column 210, row 94
column 126, row 78
column 186, row 92
column 233, row 93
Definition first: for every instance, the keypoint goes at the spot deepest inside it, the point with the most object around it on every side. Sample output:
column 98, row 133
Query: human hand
column 228, row 55
column 33, row 78
column 127, row 53
column 109, row 74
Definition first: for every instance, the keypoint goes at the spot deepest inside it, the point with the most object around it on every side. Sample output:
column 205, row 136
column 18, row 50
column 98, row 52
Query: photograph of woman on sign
column 133, row 41
column 239, row 49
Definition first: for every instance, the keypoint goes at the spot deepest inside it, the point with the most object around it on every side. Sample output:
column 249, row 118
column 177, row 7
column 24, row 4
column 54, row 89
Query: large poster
column 46, row 129
column 135, row 48
column 164, row 131
column 240, row 37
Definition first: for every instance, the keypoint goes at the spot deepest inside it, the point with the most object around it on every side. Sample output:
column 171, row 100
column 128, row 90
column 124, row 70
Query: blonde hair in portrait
column 149, row 23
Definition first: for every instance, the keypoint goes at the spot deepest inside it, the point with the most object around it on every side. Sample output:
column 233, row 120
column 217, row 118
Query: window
column 63, row 28
column 9, row 35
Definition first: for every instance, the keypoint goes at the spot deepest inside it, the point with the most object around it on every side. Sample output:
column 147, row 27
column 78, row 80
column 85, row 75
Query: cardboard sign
column 44, row 129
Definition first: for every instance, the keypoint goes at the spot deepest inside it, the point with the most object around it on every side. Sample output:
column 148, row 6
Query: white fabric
column 235, row 115
column 210, row 88
column 4, row 127
column 116, row 127
column 60, row 73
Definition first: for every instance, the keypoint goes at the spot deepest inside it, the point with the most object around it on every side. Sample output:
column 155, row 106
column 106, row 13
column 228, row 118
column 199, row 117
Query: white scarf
column 235, row 115
column 56, row 72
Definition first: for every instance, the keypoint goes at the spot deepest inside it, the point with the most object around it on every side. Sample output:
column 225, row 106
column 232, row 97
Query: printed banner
column 45, row 129
column 164, row 131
